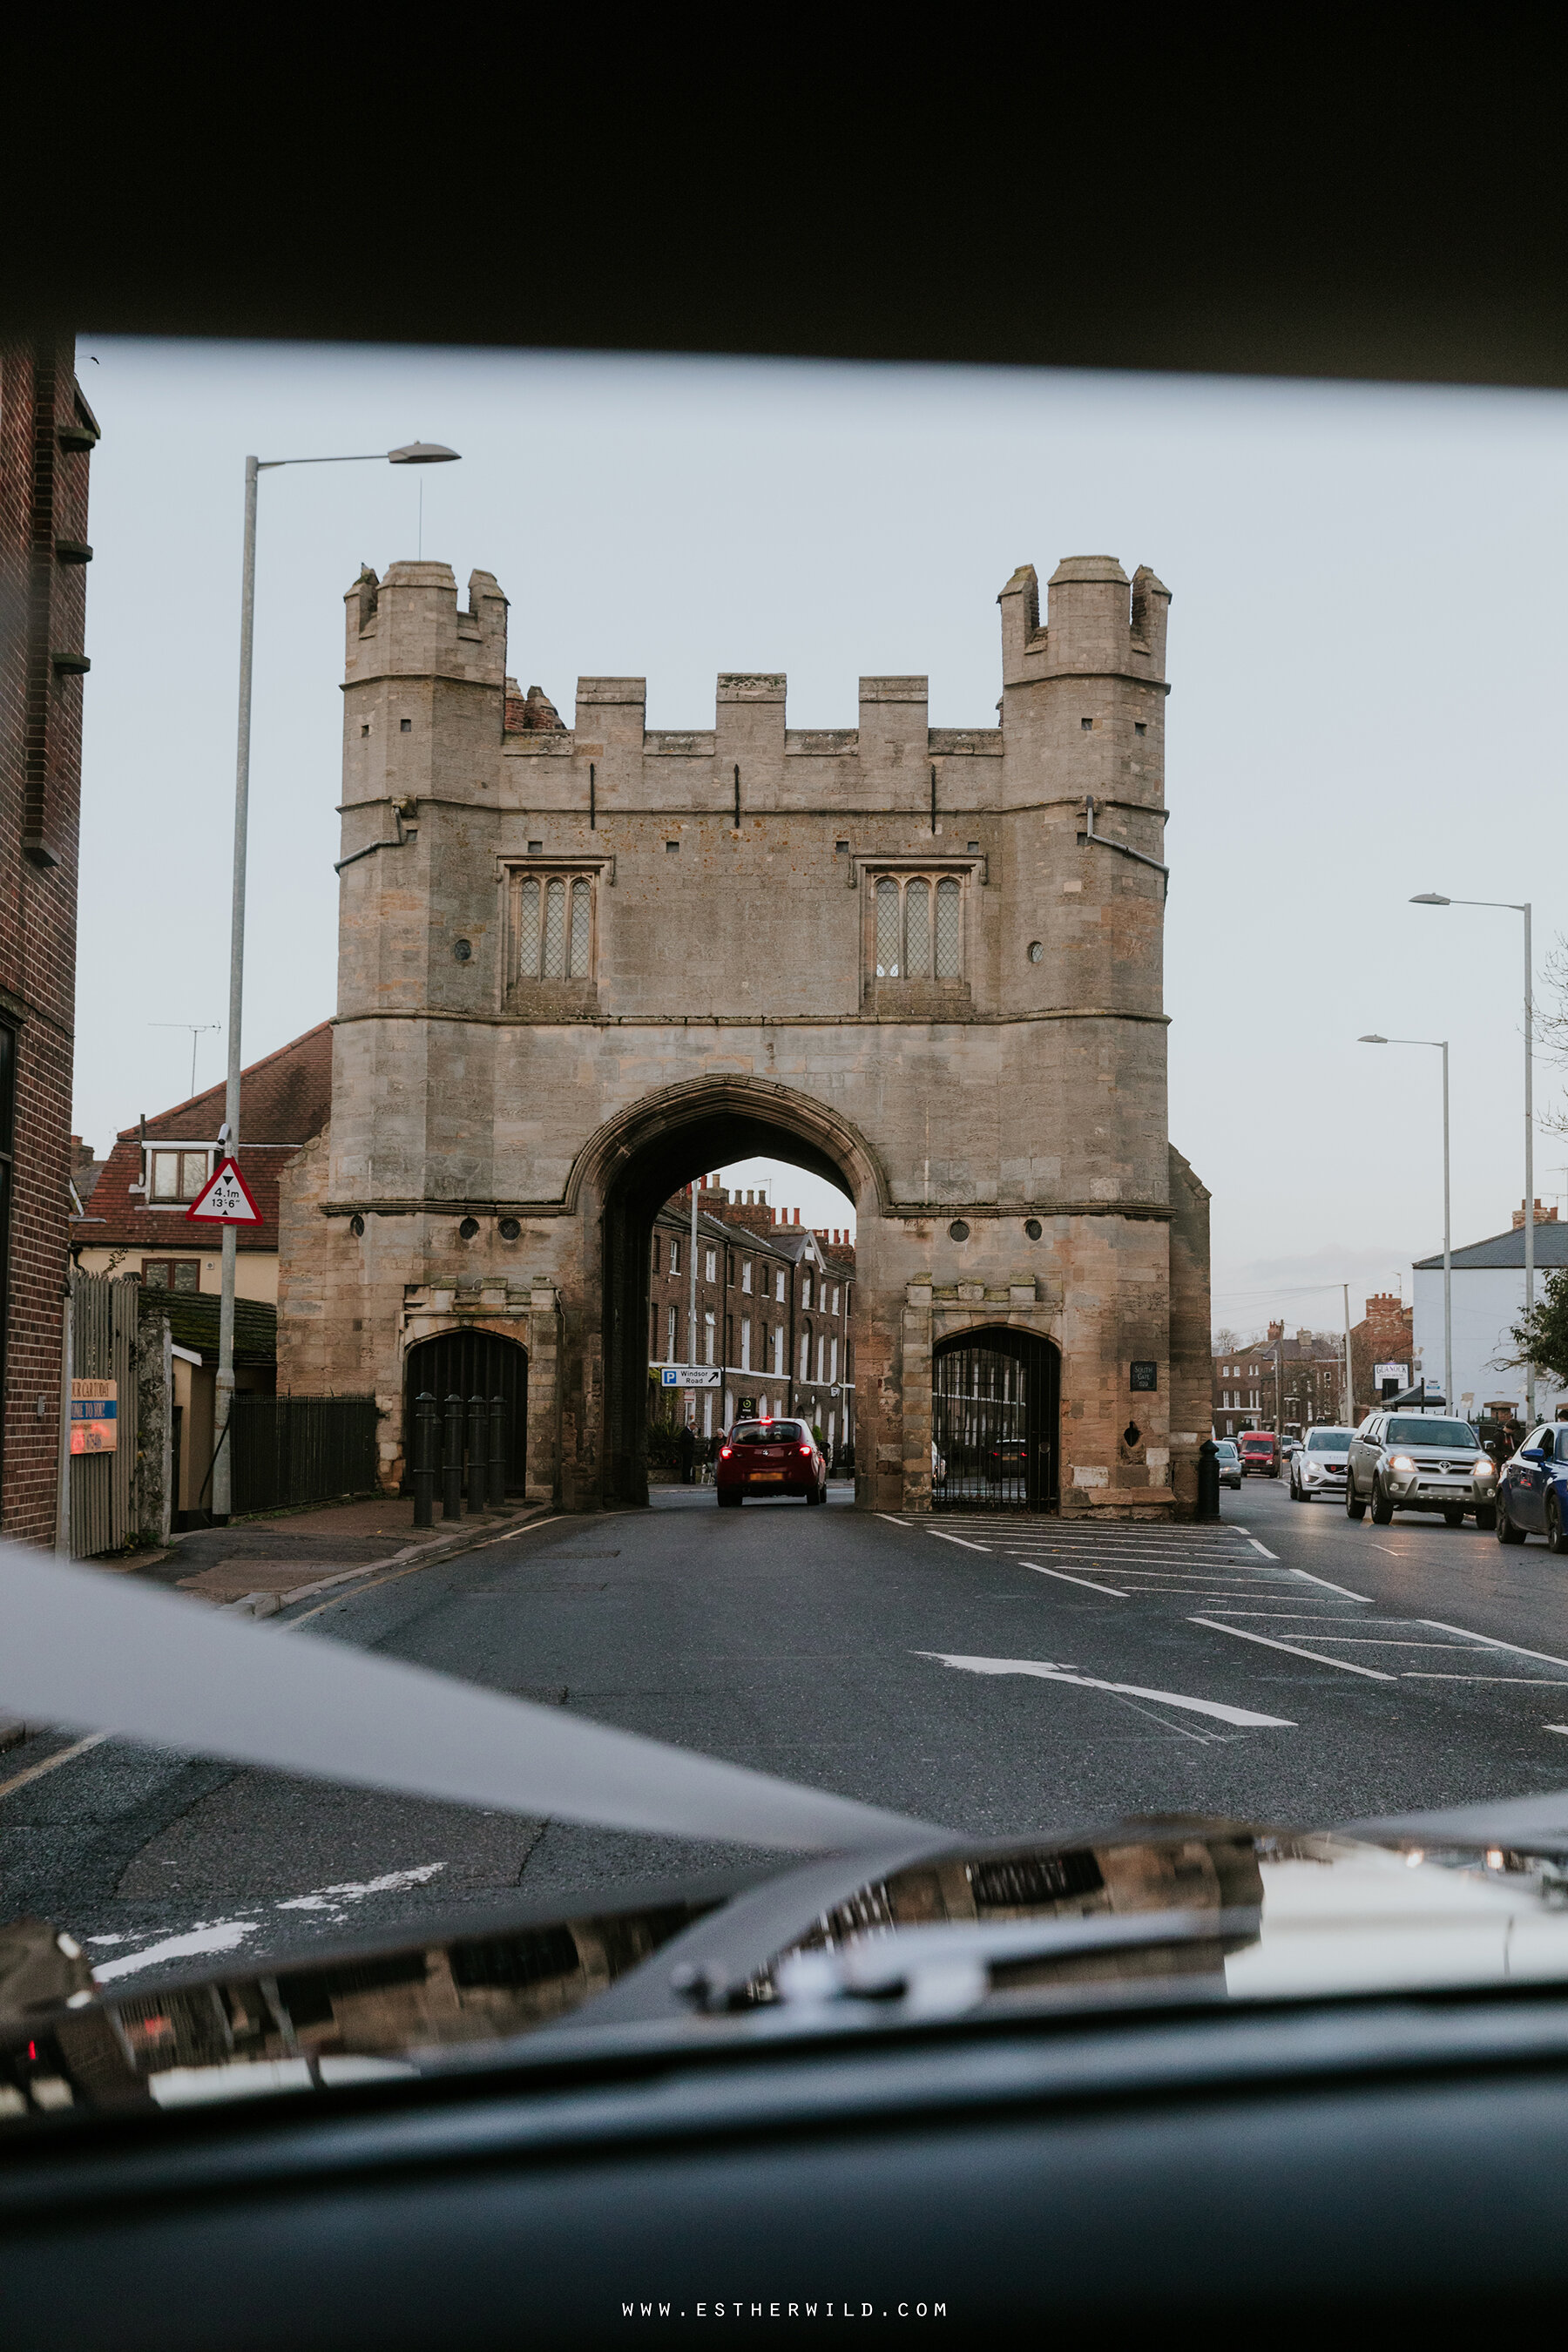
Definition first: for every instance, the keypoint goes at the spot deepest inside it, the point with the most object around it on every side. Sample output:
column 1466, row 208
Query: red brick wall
column 43, row 501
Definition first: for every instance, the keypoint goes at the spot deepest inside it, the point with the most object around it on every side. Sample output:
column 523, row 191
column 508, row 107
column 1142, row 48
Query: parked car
column 1419, row 1462
column 1229, row 1462
column 1318, row 1465
column 768, row 1458
column 1008, row 1458
column 1532, row 1489
column 1289, row 1448
column 938, row 1464
column 1259, row 1453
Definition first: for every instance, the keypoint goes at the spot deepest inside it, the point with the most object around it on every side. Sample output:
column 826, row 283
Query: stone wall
column 512, row 1101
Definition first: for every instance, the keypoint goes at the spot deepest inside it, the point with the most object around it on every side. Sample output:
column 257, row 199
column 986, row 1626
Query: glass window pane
column 187, row 1274
column 579, row 931
column 528, row 930
column 193, row 1173
column 917, row 931
column 555, row 930
column 165, row 1175
column 886, row 929
column 947, row 943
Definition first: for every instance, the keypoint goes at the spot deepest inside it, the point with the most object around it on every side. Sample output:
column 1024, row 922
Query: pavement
column 999, row 1675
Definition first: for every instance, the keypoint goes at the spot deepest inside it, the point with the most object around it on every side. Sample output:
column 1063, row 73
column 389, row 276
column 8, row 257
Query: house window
column 746, row 1275
column 805, row 1355
column 919, row 927
column 675, row 1257
column 178, row 1175
column 171, row 1273
column 670, row 1350
column 709, row 1333
column 778, row 1362
column 805, row 1292
column 833, row 1358
column 835, row 1298
column 821, row 1343
column 779, row 1286
column 745, row 1343
column 553, row 923
column 711, row 1269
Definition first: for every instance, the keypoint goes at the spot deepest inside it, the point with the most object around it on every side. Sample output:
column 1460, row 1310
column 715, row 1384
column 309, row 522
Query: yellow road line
column 36, row 1772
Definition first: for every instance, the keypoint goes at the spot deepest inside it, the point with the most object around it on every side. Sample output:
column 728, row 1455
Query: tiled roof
column 193, row 1323
column 284, row 1101
column 1506, row 1250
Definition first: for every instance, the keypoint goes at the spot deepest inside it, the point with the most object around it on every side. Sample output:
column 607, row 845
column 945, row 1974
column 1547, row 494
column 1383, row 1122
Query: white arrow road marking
column 1088, row 1583
column 1049, row 1674
column 1373, row 1673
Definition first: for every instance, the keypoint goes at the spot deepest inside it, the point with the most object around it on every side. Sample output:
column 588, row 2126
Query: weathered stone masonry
column 577, row 967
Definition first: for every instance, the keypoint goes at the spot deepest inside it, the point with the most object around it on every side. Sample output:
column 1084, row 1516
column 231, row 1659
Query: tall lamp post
column 1441, row 1045
column 414, row 453
column 1514, row 907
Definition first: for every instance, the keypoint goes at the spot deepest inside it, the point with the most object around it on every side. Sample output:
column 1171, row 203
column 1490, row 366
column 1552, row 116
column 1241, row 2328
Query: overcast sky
column 1368, row 605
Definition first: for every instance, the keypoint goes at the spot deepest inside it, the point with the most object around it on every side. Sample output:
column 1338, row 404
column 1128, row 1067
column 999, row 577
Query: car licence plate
column 768, row 1473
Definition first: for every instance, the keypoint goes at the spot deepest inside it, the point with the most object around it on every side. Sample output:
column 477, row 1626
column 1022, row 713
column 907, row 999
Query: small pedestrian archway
column 995, row 1421
column 469, row 1362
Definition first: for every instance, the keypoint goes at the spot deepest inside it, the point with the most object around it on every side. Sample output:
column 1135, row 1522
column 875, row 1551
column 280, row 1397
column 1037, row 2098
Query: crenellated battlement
column 1098, row 623
column 407, row 625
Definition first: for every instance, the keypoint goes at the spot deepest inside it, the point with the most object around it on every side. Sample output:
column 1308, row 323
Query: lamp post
column 1514, row 907
column 1441, row 1045
column 414, row 453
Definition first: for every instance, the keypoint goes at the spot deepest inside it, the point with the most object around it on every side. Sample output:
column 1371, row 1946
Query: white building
column 1489, row 1300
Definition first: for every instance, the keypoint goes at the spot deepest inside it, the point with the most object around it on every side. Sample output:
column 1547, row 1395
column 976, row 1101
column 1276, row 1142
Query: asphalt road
column 992, row 1674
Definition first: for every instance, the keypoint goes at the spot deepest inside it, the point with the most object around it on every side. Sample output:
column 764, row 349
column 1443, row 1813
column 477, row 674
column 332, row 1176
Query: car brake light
column 724, row 1453
column 807, row 1451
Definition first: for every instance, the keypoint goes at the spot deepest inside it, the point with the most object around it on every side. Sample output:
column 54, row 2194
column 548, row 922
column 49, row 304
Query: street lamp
column 1441, row 1045
column 412, row 453
column 1514, row 907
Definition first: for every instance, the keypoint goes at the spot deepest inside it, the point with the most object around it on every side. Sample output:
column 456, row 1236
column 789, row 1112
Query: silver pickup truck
column 1408, row 1461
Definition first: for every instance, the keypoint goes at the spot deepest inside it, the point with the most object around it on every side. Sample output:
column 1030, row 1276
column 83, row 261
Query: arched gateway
column 580, row 966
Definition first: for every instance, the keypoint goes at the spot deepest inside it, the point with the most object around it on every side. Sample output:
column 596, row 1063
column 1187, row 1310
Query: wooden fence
column 103, row 1348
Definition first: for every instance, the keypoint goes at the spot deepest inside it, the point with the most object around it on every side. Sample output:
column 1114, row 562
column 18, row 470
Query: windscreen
column 1328, row 1440
column 1414, row 1431
column 767, row 1433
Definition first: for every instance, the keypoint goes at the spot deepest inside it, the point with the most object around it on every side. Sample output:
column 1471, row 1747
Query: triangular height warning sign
column 226, row 1200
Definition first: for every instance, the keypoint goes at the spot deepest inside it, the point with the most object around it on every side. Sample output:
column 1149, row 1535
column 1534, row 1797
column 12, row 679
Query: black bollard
column 498, row 1453
column 425, row 1437
column 478, row 1423
column 1208, row 1480
column 452, row 1460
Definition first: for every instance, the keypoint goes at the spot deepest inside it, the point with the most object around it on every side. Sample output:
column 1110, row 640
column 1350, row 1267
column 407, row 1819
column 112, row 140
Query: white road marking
column 1086, row 1583
column 354, row 1890
column 1563, row 1727
column 1262, row 1547
column 1490, row 1642
column 221, row 1938
column 1343, row 1589
column 943, row 1537
column 1050, row 1674
column 1240, row 1633
column 50, row 1763
column 1530, row 1682
column 891, row 1521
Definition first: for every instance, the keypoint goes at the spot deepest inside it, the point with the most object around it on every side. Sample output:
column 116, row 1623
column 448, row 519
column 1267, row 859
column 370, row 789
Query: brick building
column 46, row 433
column 1284, row 1385
column 774, row 1305
column 1386, row 1335
column 135, row 1220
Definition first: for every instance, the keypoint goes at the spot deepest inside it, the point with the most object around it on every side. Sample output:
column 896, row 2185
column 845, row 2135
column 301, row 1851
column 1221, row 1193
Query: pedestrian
column 688, row 1452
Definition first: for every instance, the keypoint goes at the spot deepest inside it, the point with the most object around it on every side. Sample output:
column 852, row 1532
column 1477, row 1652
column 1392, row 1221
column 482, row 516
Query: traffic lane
column 811, row 1644
column 1516, row 1593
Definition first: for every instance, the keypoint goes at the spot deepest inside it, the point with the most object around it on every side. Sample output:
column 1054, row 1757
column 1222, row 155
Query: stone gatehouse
column 579, row 966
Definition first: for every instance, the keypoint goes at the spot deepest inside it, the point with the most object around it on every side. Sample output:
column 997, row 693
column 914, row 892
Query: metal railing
column 290, row 1450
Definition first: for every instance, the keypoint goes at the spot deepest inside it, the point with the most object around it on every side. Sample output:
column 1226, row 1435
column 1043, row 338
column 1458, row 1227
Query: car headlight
column 1400, row 1462
column 1485, row 1466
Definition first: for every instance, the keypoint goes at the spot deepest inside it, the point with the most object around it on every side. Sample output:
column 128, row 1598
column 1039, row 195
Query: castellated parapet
column 579, row 964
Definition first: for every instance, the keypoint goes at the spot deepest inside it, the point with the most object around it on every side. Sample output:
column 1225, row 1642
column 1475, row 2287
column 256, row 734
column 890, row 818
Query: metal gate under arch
column 470, row 1364
column 995, row 1400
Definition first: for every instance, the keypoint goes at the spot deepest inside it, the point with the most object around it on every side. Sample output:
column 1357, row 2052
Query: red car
column 770, row 1458
column 1259, row 1453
